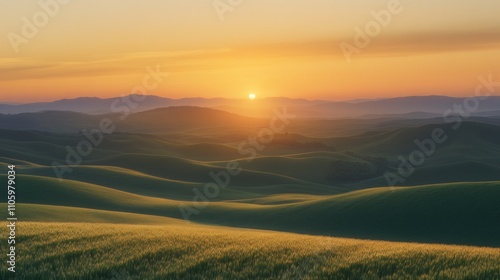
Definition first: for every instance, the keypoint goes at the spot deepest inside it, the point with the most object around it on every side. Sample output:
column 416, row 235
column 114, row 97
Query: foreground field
column 178, row 251
column 455, row 214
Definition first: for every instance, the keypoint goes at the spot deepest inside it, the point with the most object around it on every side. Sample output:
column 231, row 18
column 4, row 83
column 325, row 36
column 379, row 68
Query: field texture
column 183, row 251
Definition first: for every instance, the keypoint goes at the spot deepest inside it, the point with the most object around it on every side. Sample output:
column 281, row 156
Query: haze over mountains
column 324, row 174
column 406, row 107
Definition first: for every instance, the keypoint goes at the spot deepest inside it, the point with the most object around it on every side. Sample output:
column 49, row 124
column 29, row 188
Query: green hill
column 61, row 214
column 460, row 213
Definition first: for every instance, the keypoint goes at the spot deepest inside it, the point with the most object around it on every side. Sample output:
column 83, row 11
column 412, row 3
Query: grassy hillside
column 61, row 214
column 290, row 186
column 104, row 251
column 462, row 213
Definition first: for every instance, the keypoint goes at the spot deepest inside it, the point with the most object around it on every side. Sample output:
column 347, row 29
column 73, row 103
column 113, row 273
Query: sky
column 55, row 49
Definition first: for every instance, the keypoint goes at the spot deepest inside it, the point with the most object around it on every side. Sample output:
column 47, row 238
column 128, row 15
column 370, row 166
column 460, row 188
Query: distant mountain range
column 199, row 120
column 170, row 119
column 406, row 107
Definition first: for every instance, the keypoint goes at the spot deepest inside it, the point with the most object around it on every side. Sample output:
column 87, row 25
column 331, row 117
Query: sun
column 252, row 96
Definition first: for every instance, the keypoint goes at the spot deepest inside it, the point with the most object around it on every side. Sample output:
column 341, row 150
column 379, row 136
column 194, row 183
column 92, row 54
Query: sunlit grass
column 104, row 251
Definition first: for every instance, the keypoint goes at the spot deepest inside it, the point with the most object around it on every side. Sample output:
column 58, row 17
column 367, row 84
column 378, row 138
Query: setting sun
column 283, row 139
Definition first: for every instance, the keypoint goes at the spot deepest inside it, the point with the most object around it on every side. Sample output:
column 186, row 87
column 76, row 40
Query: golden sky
column 286, row 48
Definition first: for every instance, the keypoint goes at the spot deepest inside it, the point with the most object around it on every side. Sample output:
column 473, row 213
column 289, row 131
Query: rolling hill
column 473, row 149
column 460, row 213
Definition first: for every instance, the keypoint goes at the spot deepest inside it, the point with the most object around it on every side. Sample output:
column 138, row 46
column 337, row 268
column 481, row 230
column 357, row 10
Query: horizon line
column 240, row 99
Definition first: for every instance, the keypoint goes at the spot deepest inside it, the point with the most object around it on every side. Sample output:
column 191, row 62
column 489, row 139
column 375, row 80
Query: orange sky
column 273, row 48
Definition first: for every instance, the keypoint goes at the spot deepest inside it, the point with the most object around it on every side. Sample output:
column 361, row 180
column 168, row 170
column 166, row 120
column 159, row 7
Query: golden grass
column 104, row 251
